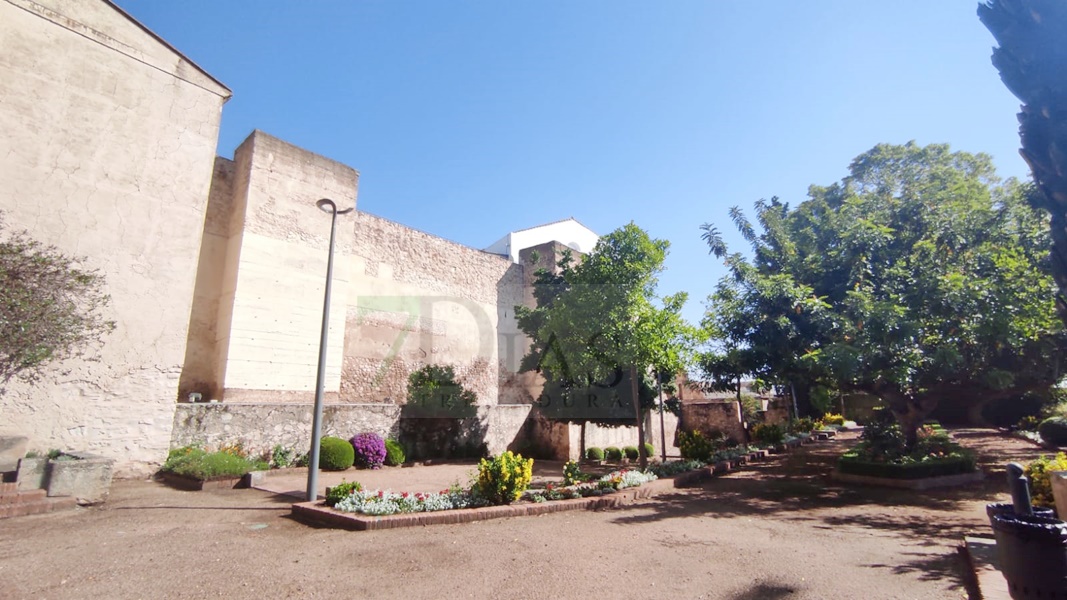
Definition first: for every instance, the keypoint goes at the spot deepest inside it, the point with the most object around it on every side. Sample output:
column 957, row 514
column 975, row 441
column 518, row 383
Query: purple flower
column 370, row 450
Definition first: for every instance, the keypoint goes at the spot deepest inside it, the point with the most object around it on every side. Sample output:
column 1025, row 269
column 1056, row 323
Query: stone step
column 37, row 507
column 22, row 497
column 12, row 486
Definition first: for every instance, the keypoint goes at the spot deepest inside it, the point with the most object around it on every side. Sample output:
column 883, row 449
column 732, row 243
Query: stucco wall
column 106, row 152
column 707, row 416
column 417, row 299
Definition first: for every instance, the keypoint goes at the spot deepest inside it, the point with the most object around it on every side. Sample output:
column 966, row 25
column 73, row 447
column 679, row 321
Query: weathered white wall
column 416, row 299
column 106, row 151
column 568, row 232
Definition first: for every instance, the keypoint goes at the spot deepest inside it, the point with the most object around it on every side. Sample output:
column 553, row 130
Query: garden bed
column 910, row 484
column 319, row 514
column 225, row 482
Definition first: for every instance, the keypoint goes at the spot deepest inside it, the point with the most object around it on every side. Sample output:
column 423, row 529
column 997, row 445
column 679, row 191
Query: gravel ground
column 779, row 530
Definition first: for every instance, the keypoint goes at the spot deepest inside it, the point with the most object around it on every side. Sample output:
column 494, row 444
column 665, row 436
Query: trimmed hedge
column 336, row 454
column 650, row 450
column 394, row 453
column 612, row 453
column 594, row 453
column 631, row 452
column 919, row 470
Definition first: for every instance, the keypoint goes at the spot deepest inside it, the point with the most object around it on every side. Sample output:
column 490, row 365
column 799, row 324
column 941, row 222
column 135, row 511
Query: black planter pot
column 1007, row 509
column 1033, row 555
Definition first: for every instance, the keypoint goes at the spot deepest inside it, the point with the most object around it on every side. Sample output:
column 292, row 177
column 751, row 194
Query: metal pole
column 329, row 206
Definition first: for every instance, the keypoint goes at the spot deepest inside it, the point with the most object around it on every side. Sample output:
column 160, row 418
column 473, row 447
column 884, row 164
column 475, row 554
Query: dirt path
column 778, row 531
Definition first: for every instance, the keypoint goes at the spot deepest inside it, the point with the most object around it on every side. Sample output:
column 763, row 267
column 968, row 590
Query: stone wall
column 417, row 299
column 107, row 149
column 260, row 426
column 708, row 416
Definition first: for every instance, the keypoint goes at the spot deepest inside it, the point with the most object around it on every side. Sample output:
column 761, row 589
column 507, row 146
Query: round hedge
column 631, row 452
column 612, row 453
column 336, row 454
column 1054, row 430
column 650, row 450
column 594, row 453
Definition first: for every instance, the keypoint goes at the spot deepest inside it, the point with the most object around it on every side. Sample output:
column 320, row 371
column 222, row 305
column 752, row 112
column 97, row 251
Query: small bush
column 1040, row 481
column 572, row 473
column 650, row 450
column 612, row 453
column 1054, row 431
column 833, row 419
column 594, row 453
column 394, row 453
column 1028, row 423
column 281, row 457
column 631, row 452
column 802, row 425
column 502, row 479
column 336, row 454
column 369, row 450
column 341, row 491
column 768, row 434
column 694, row 446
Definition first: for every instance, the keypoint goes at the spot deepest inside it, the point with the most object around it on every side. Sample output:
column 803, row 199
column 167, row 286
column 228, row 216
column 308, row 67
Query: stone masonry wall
column 260, row 426
column 417, row 299
column 720, row 416
column 107, row 148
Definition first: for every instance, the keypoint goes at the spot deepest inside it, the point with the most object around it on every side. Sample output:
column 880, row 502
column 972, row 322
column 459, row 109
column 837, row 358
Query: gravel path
column 780, row 530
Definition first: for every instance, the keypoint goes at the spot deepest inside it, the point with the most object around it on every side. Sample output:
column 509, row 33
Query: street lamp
column 329, row 206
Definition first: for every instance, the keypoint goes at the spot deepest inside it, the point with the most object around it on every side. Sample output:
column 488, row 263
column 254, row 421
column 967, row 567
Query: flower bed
column 882, row 453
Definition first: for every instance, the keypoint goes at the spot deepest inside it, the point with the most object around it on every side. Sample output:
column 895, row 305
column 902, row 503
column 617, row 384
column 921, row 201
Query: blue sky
column 471, row 119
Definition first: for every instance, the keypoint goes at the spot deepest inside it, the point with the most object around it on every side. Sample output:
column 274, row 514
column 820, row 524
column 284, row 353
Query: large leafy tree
column 1032, row 60
column 599, row 329
column 917, row 278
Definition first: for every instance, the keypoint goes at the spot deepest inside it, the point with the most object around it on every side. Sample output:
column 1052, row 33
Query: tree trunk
column 581, row 442
column 640, row 422
column 662, row 427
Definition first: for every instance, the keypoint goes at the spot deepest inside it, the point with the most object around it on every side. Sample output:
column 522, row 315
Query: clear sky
column 471, row 119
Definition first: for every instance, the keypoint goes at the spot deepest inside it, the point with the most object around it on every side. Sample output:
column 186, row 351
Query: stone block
column 12, row 449
column 86, row 477
column 32, row 474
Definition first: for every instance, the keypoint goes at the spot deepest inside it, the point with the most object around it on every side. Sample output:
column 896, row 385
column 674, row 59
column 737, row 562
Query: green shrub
column 694, row 446
column 502, row 479
column 650, row 450
column 394, row 453
column 1054, row 431
column 612, row 453
column 833, row 419
column 631, row 452
column 195, row 462
column 802, row 425
column 341, row 491
column 281, row 457
column 1040, row 480
column 336, row 454
column 764, row 433
column 951, row 465
column 1028, row 423
column 594, row 453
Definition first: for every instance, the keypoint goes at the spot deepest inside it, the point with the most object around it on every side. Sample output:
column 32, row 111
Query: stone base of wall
column 261, row 426
column 563, row 441
column 720, row 416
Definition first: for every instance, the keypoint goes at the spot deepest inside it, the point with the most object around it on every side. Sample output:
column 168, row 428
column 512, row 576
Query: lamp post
column 329, row 206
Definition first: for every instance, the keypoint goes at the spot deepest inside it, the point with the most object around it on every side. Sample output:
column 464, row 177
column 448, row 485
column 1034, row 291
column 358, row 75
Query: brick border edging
column 317, row 513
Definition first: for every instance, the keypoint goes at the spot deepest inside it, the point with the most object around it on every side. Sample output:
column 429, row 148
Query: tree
column 597, row 331
column 918, row 277
column 1032, row 60
column 50, row 308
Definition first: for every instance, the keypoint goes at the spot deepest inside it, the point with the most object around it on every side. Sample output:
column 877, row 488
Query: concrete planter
column 1059, row 491
column 85, row 477
column 216, row 483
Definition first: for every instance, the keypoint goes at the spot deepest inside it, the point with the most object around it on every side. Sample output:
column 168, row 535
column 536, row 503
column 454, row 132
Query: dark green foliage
column 631, row 452
column 439, row 418
column 802, row 425
column 195, row 462
column 612, row 453
column 433, row 391
column 764, row 433
column 394, row 453
column 1054, row 431
column 850, row 463
column 883, row 436
column 594, row 453
column 50, row 309
column 695, row 446
column 341, row 491
column 650, row 450
column 336, row 454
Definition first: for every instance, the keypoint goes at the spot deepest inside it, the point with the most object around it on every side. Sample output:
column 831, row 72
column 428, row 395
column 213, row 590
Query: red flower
column 381, row 494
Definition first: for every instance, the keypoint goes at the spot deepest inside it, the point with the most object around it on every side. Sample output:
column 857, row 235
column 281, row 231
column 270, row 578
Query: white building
column 568, row 232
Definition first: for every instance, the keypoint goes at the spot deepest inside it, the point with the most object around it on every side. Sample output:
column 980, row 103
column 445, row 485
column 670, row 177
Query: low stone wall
column 720, row 416
column 259, row 427
column 562, row 441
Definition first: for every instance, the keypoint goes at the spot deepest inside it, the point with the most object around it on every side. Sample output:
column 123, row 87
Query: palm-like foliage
column 1032, row 60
